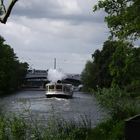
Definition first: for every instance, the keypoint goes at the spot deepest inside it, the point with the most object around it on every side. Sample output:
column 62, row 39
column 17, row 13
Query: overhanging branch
column 8, row 11
column 2, row 4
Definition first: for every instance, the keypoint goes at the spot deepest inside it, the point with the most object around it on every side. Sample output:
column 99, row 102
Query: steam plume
column 55, row 75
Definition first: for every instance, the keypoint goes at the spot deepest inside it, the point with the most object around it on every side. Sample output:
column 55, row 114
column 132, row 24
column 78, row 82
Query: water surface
column 35, row 103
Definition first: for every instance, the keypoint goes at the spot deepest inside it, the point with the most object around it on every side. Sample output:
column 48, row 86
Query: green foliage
column 118, row 102
column 118, row 63
column 123, row 21
column 87, row 76
column 124, row 67
column 121, row 105
column 122, row 17
column 108, row 130
column 17, row 128
column 12, row 71
column 96, row 72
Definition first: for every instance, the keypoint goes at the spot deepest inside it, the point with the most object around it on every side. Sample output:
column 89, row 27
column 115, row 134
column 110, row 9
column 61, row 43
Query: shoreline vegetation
column 13, row 127
column 12, row 71
column 24, row 126
column 19, row 127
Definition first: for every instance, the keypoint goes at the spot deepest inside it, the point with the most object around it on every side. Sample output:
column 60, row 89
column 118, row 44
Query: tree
column 123, row 17
column 117, row 64
column 96, row 72
column 123, row 20
column 5, row 12
column 12, row 72
column 120, row 64
column 125, row 67
column 88, row 77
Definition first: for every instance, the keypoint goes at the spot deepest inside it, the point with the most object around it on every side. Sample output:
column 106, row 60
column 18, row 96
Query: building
column 38, row 79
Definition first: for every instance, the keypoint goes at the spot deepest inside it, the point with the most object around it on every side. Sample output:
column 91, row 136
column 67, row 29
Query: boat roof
column 49, row 84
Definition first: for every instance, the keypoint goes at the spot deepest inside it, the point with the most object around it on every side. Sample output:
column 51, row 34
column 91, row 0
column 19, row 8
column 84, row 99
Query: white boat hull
column 64, row 90
column 59, row 94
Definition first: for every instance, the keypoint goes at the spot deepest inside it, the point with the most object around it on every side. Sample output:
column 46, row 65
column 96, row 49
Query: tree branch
column 8, row 12
column 2, row 4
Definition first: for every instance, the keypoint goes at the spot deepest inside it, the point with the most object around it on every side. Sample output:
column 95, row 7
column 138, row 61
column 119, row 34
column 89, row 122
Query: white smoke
column 55, row 75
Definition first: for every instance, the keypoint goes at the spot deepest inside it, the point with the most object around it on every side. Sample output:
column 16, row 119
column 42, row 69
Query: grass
column 120, row 103
column 18, row 128
column 108, row 130
column 13, row 127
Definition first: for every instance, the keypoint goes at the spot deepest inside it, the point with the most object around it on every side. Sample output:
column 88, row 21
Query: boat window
column 67, row 89
column 59, row 87
column 51, row 87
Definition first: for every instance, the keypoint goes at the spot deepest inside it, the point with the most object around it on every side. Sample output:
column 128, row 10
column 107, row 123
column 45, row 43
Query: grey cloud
column 35, row 9
column 41, row 30
column 51, row 9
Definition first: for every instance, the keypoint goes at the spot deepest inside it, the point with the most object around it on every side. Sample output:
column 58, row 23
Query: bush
column 108, row 130
column 133, row 89
column 118, row 102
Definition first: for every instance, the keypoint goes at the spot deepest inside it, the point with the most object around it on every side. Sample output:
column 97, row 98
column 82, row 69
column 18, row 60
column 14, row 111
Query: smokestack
column 54, row 63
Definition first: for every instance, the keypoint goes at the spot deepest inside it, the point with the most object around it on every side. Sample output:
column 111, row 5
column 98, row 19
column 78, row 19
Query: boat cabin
column 53, row 89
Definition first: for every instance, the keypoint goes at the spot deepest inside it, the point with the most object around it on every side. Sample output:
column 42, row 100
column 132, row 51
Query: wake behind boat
column 59, row 90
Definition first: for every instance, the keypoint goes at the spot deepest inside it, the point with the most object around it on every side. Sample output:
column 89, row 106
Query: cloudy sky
column 67, row 30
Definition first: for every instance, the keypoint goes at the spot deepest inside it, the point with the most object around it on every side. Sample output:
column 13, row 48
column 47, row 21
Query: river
column 81, row 106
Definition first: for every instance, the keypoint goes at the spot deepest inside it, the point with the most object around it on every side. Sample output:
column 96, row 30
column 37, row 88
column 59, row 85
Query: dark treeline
column 12, row 71
column 117, row 64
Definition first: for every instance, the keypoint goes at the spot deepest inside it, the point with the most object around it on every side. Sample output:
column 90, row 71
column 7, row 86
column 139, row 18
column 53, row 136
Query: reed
column 13, row 127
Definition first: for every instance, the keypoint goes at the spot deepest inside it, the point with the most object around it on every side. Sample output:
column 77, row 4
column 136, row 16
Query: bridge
column 38, row 78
